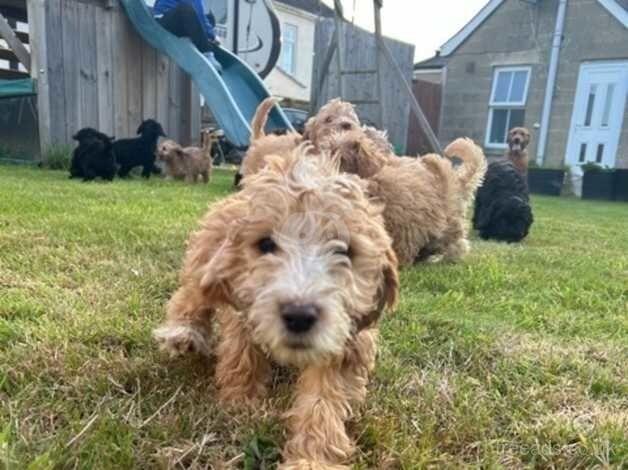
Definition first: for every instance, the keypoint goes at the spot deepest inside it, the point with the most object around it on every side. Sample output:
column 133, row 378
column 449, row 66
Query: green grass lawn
column 516, row 357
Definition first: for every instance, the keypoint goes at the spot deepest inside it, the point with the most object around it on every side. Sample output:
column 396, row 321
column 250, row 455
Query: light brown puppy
column 426, row 202
column 518, row 140
column 335, row 117
column 187, row 163
column 296, row 268
column 358, row 153
column 263, row 144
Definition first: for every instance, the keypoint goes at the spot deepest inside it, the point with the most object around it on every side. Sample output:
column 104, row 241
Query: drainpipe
column 551, row 81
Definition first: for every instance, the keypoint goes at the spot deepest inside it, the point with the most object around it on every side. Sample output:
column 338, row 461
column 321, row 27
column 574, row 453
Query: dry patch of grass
column 515, row 358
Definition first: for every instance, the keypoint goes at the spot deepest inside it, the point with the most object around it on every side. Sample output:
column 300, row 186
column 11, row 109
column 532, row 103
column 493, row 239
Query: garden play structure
column 108, row 64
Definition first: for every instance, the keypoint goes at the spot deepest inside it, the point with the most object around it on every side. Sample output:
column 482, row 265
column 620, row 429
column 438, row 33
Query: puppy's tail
column 261, row 116
column 471, row 172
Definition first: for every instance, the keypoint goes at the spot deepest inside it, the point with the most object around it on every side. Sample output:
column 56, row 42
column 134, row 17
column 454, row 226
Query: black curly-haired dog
column 94, row 156
column 502, row 207
column 139, row 151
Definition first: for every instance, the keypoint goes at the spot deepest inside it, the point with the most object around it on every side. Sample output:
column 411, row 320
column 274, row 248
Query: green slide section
column 232, row 94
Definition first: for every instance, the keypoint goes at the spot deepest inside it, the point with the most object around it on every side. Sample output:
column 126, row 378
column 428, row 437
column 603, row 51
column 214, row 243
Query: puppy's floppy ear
column 390, row 289
column 369, row 161
column 213, row 259
column 308, row 129
column 387, row 294
column 140, row 129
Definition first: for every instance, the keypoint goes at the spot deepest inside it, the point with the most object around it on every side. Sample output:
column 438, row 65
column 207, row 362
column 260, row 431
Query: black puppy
column 94, row 155
column 502, row 208
column 139, row 151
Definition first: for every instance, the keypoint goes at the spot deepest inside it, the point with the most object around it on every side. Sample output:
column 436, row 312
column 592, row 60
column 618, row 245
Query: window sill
column 496, row 146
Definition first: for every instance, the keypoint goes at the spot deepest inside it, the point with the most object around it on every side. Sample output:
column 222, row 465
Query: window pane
column 583, row 152
column 590, row 106
column 518, row 88
column 502, row 87
column 498, row 126
column 600, row 153
column 288, row 48
column 610, row 91
column 289, row 32
column 287, row 55
column 517, row 117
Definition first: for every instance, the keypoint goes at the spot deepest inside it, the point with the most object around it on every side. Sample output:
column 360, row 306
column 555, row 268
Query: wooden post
column 377, row 5
column 14, row 43
column 322, row 76
column 39, row 69
column 340, row 43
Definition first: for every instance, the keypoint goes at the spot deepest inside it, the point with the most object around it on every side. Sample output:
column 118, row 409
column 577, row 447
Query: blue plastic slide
column 232, row 94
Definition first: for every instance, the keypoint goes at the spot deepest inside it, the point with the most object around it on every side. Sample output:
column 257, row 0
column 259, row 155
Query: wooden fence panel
column 88, row 68
column 429, row 96
column 55, row 70
column 102, row 74
column 360, row 54
column 105, row 80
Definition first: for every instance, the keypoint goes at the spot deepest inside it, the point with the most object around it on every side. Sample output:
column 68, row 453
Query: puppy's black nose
column 299, row 318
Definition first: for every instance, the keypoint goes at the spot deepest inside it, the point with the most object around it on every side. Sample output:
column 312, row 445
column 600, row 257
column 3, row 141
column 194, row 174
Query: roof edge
column 616, row 10
column 450, row 46
column 468, row 29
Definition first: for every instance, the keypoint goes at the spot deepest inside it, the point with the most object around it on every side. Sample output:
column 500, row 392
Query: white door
column 598, row 113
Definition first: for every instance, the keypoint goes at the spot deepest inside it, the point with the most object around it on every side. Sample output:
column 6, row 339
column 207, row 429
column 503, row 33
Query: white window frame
column 504, row 105
column 294, row 49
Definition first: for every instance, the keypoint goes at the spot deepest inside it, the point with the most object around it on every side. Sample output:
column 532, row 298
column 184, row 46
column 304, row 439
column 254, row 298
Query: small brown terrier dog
column 187, row 163
column 296, row 269
column 518, row 140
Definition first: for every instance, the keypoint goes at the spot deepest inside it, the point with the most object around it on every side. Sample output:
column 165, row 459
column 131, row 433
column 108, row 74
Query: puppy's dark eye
column 346, row 126
column 328, row 120
column 267, row 245
column 344, row 252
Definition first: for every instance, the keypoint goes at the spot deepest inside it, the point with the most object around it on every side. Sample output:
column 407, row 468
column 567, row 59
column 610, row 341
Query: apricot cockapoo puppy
column 426, row 198
column 296, row 268
column 187, row 163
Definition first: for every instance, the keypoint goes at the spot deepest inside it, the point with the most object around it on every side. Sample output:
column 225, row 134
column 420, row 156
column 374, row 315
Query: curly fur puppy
column 426, row 201
column 502, row 208
column 518, row 140
column 296, row 268
column 187, row 163
column 358, row 153
column 263, row 144
column 139, row 151
column 335, row 117
column 94, row 156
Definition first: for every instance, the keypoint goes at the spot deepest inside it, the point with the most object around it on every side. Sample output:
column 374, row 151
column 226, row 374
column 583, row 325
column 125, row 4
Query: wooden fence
column 429, row 96
column 100, row 73
column 360, row 54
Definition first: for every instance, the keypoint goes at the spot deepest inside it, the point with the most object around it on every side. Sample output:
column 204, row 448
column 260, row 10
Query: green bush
column 58, row 157
column 594, row 167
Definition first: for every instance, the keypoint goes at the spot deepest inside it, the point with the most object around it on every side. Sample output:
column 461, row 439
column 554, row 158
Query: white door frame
column 579, row 107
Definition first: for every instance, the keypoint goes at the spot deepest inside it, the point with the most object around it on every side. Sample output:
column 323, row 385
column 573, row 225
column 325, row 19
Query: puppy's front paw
column 303, row 464
column 178, row 340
